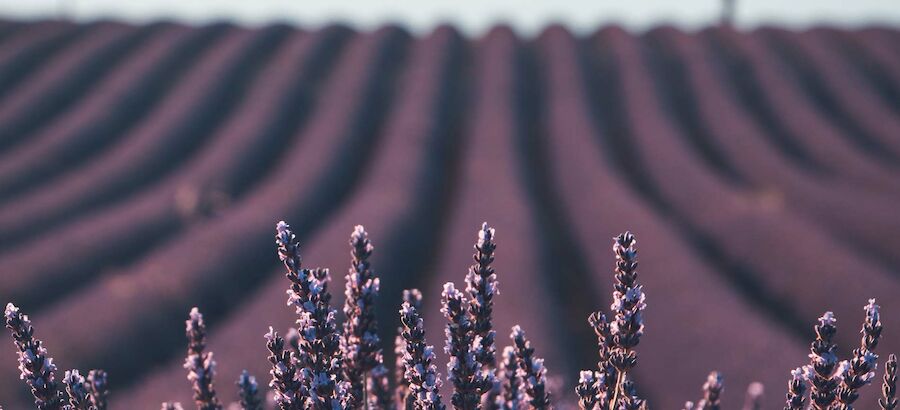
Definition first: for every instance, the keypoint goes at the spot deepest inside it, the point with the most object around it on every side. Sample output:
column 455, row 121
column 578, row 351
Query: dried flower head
column 248, row 392
column 35, row 366
column 531, row 371
column 200, row 364
column 418, row 361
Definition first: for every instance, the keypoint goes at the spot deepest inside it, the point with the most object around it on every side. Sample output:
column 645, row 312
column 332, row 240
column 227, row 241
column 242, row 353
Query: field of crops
column 143, row 170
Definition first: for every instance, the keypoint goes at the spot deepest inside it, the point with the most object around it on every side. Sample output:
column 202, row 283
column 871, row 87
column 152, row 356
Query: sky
column 471, row 16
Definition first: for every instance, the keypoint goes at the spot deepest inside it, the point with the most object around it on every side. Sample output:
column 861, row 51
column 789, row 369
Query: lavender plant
column 323, row 366
column 862, row 366
column 531, row 371
column 364, row 361
column 402, row 398
column 419, row 370
column 510, row 397
column 200, row 364
column 824, row 364
column 290, row 393
column 248, row 392
column 464, row 369
column 35, row 365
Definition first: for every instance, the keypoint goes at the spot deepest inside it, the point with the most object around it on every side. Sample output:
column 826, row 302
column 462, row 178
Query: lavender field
column 143, row 169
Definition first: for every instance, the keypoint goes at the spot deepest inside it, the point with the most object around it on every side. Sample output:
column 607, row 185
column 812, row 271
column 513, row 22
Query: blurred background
column 147, row 150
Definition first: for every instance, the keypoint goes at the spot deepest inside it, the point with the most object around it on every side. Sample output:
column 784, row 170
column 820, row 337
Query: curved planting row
column 27, row 49
column 779, row 103
column 863, row 220
column 57, row 85
column 191, row 103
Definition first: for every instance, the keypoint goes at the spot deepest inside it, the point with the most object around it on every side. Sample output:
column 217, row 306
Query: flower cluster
column 362, row 351
column 510, row 397
column 463, row 370
column 404, row 400
column 862, row 366
column 419, row 370
column 617, row 338
column 36, row 367
column 98, row 388
column 200, row 364
column 531, row 371
column 248, row 392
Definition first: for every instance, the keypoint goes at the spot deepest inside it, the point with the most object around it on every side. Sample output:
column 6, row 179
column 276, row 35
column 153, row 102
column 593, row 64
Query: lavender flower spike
column 712, row 390
column 627, row 325
column 824, row 364
column 172, row 406
column 36, row 367
column 796, row 396
column 286, row 383
column 78, row 392
column 419, row 370
column 200, row 364
column 248, row 392
column 511, row 391
column 98, row 388
column 463, row 370
column 889, row 387
column 404, row 400
column 531, row 371
column 862, row 366
column 361, row 345
column 482, row 286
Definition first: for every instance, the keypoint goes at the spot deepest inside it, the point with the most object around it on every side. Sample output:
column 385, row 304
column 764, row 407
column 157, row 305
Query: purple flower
column 248, row 392
column 510, row 397
column 712, row 390
column 200, row 364
column 463, row 370
column 418, row 361
column 98, row 388
column 36, row 367
column 531, row 371
column 361, row 345
column 796, row 397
